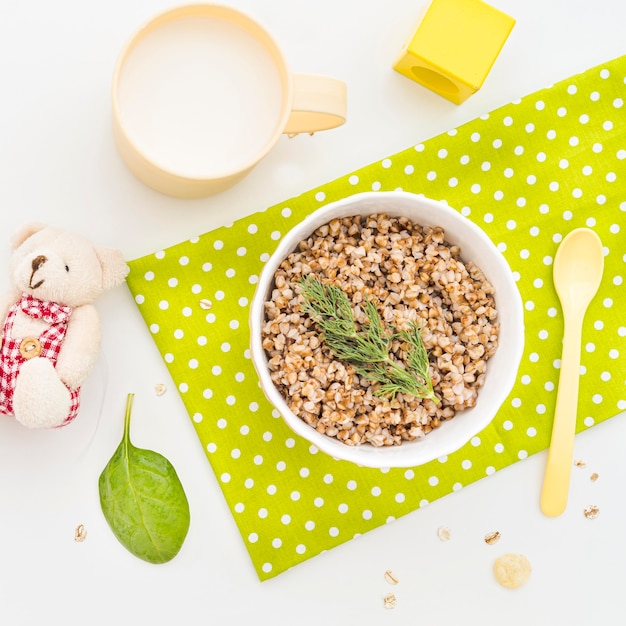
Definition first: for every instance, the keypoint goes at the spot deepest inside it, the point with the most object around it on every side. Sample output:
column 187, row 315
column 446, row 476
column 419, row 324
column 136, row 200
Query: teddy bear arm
column 80, row 347
column 7, row 299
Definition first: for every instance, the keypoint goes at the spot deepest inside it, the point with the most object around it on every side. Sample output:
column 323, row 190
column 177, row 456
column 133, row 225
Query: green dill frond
column 367, row 347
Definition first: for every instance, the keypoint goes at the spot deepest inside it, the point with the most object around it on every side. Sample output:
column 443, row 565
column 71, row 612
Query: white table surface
column 58, row 164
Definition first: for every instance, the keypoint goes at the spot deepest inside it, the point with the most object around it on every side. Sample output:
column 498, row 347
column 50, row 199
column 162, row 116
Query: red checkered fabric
column 11, row 359
column 49, row 312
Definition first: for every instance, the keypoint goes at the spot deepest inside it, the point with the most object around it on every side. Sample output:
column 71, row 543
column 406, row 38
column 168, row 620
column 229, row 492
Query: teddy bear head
column 60, row 266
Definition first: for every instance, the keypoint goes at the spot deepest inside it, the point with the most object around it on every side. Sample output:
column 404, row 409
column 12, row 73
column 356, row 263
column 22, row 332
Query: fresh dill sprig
column 367, row 348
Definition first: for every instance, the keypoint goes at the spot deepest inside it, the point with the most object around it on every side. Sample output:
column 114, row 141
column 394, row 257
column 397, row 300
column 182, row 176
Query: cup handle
column 319, row 103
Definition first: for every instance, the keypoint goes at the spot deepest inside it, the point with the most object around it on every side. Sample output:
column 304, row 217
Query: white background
column 58, row 164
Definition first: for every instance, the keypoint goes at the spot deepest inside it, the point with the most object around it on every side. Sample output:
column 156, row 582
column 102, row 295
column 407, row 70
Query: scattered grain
column 80, row 534
column 444, row 533
column 391, row 578
column 591, row 512
column 594, row 477
column 205, row 304
column 492, row 537
column 390, row 601
column 580, row 463
column 160, row 389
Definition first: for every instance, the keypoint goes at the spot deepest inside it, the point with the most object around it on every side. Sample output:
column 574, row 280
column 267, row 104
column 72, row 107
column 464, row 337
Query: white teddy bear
column 50, row 330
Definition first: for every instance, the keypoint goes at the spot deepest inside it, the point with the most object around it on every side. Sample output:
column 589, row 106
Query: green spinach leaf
column 143, row 500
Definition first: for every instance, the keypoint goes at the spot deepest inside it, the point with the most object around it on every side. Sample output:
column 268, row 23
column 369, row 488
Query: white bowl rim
column 407, row 454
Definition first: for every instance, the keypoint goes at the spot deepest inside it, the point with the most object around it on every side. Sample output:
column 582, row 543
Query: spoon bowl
column 577, row 269
column 577, row 273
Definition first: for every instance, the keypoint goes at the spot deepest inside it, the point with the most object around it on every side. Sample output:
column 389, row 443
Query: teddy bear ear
column 24, row 232
column 114, row 268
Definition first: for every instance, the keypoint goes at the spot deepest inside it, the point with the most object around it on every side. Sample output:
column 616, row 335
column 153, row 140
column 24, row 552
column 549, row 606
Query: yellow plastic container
column 454, row 47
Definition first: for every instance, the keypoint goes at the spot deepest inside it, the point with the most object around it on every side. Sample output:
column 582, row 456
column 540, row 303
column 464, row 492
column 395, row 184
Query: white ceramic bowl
column 501, row 368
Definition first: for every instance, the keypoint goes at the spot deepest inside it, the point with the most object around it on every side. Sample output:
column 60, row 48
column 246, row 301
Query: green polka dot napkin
column 527, row 173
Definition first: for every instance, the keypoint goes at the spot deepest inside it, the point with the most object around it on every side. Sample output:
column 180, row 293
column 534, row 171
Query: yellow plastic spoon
column 577, row 272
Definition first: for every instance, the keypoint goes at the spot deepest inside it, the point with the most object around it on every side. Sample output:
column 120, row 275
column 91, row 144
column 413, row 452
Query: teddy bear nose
column 38, row 261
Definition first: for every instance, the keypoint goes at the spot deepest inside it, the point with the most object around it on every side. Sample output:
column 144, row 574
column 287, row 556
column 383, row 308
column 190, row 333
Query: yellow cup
column 201, row 93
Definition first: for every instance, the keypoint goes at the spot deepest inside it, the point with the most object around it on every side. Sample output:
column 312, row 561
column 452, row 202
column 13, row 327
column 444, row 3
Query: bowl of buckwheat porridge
column 387, row 329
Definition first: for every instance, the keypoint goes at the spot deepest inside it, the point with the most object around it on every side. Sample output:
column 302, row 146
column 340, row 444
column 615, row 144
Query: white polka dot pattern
column 527, row 173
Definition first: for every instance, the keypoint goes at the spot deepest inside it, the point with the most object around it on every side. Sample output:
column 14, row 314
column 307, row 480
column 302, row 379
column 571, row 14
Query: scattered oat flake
column 205, row 304
column 592, row 511
column 580, row 463
column 390, row 601
column 160, row 389
column 80, row 534
column 493, row 537
column 390, row 577
column 444, row 533
column 594, row 477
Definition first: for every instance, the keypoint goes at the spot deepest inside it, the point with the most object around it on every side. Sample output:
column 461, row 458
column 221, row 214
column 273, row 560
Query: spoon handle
column 560, row 454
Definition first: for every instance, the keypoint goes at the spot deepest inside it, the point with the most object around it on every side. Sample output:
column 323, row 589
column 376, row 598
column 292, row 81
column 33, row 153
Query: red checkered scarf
column 57, row 315
column 49, row 312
